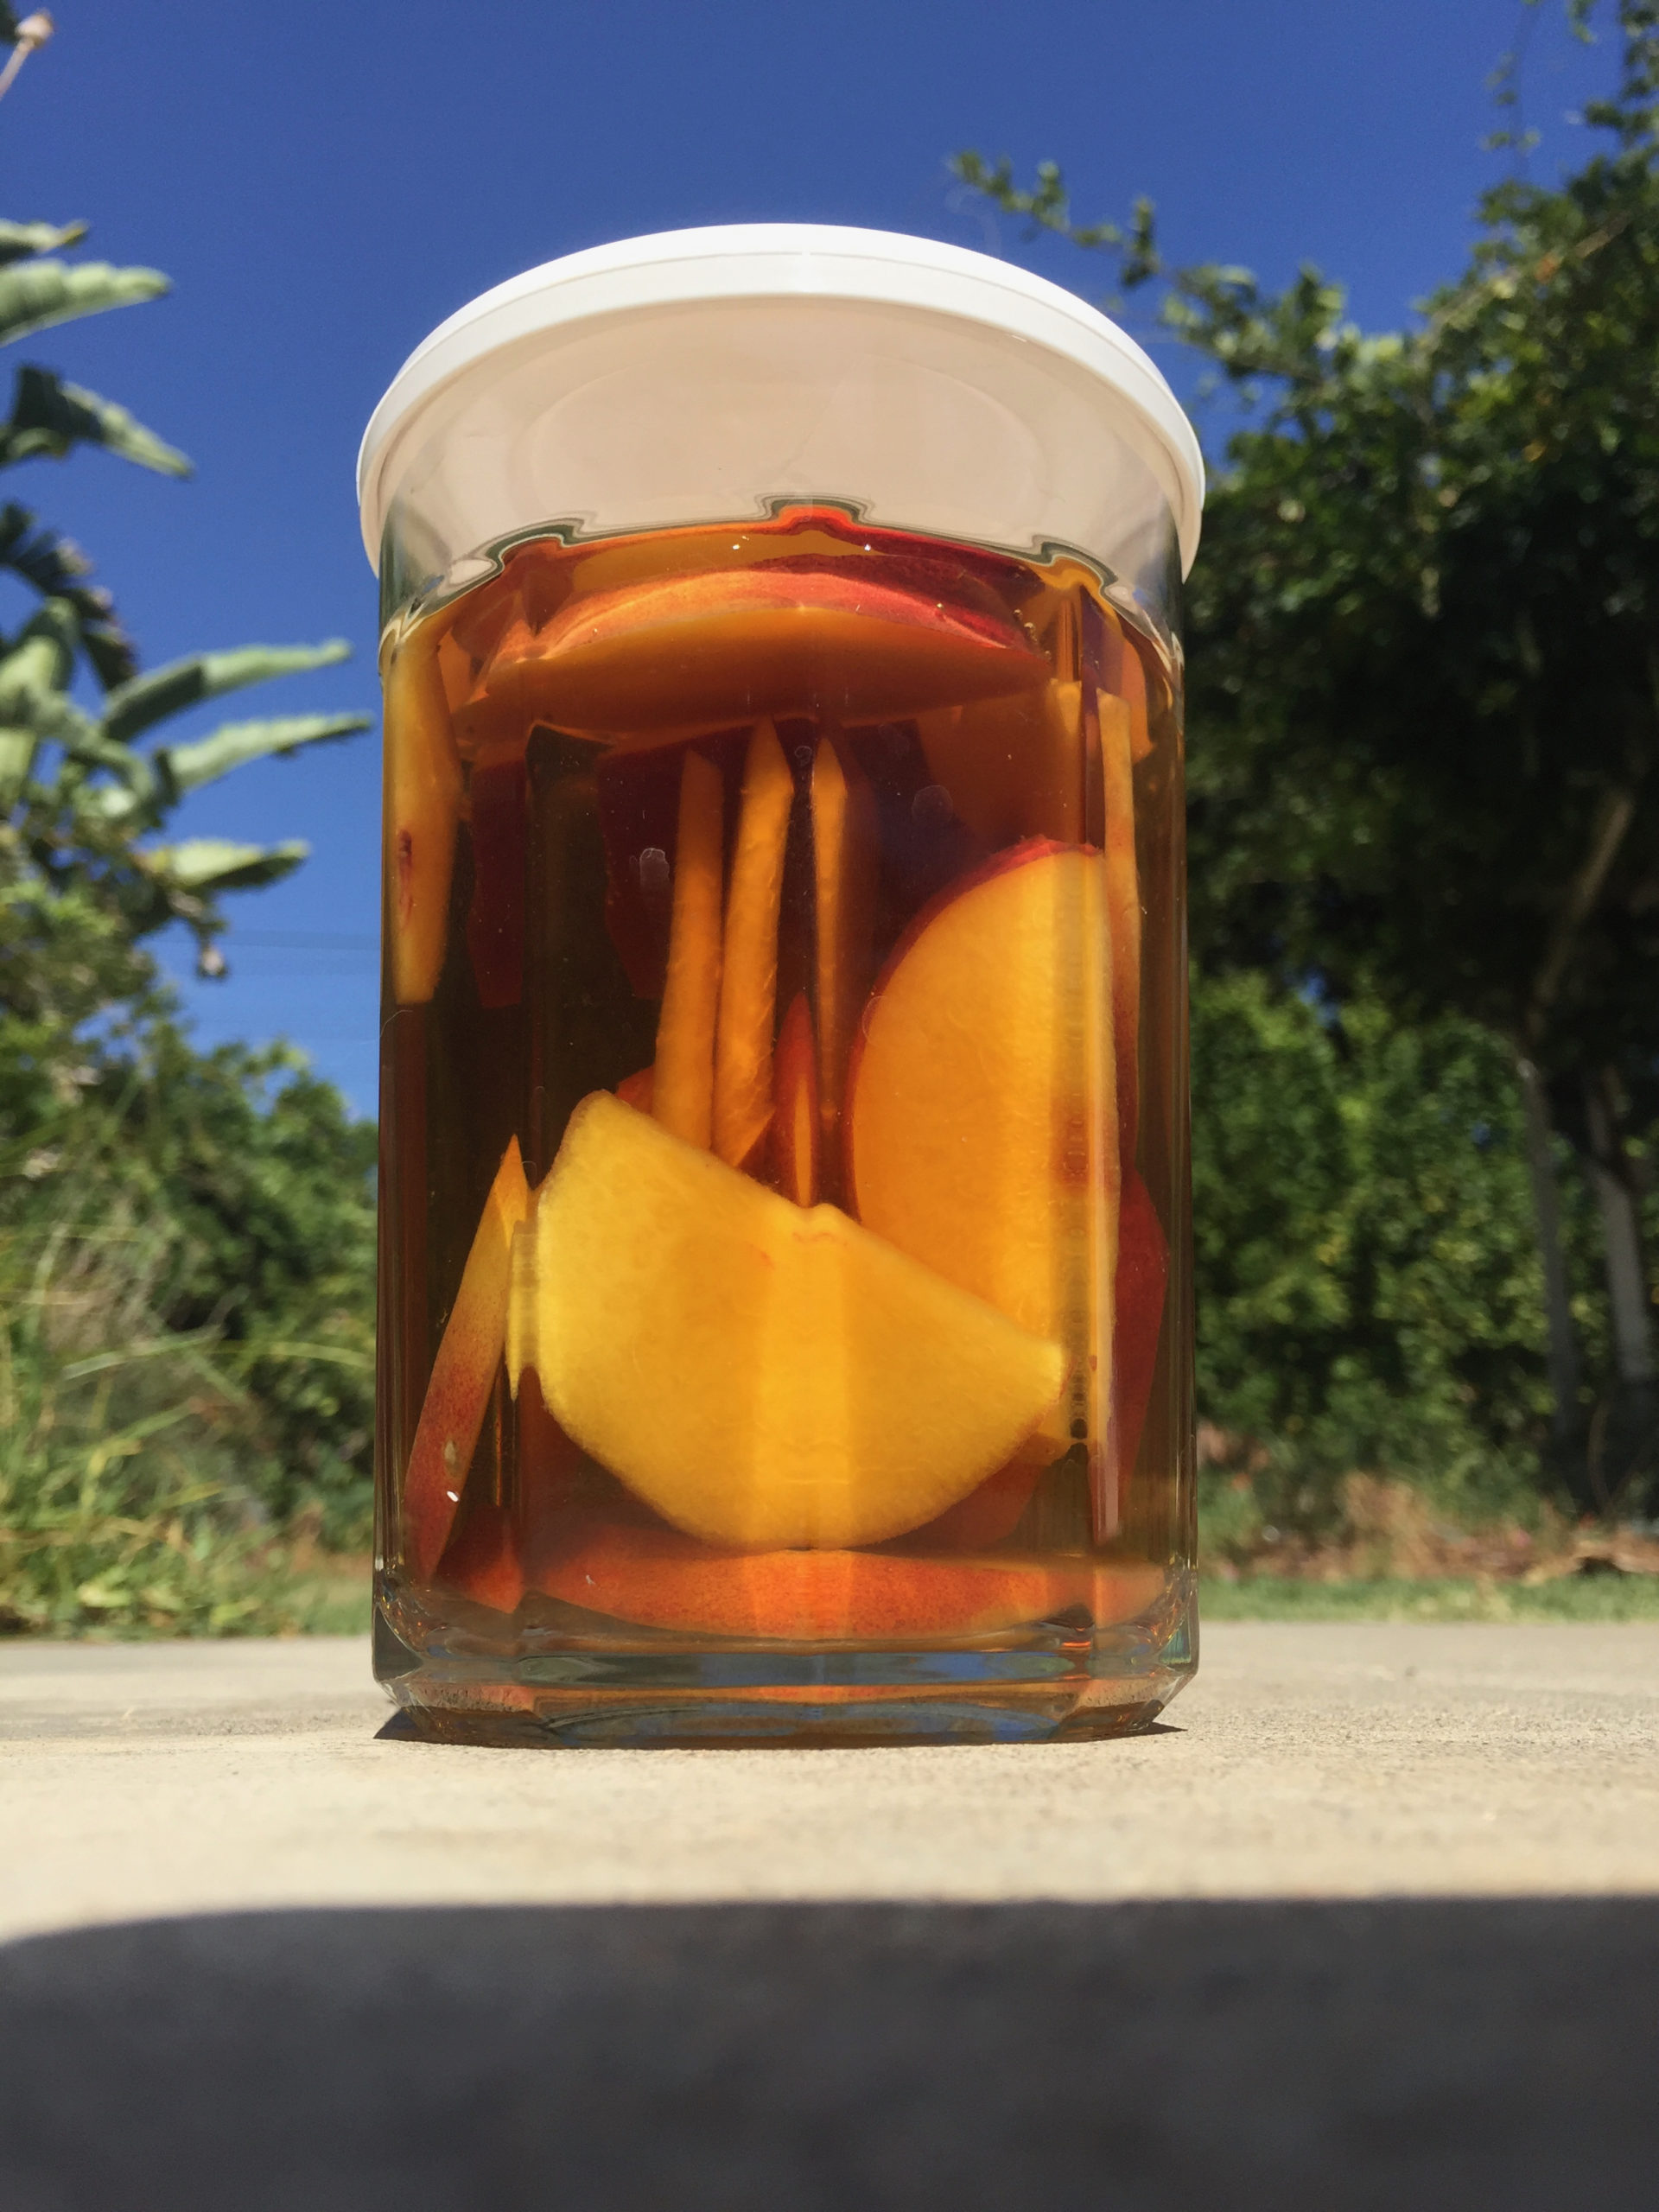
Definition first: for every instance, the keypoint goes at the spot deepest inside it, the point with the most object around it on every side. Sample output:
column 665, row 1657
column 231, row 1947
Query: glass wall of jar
column 784, row 1305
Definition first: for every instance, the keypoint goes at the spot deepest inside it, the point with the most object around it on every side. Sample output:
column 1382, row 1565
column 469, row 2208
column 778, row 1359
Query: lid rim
column 833, row 263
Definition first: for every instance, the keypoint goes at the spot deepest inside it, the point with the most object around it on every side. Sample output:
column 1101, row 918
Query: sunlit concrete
column 1307, row 1761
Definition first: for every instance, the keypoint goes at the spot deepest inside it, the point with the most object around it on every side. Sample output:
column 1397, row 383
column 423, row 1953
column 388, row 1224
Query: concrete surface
column 1374, row 1922
column 1305, row 1761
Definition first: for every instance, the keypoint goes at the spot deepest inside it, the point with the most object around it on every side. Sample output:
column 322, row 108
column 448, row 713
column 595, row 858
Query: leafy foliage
column 1425, row 702
column 1365, row 1254
column 186, row 1240
column 186, row 1336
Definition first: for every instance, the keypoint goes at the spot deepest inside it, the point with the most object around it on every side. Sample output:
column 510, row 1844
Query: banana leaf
column 144, row 700
column 178, row 769
column 19, row 240
column 36, row 293
column 49, row 416
column 190, row 767
column 205, row 865
column 56, row 568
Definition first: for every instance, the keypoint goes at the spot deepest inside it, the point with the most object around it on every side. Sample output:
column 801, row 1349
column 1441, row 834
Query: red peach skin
column 748, row 974
column 682, row 1093
column 463, row 1374
column 421, row 818
column 481, row 1558
column 724, row 646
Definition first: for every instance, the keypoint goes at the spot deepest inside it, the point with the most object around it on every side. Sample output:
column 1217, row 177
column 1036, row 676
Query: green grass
column 1572, row 1598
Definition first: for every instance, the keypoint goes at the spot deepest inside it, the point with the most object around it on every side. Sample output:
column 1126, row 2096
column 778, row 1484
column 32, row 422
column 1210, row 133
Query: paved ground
column 1374, row 1920
column 1305, row 1761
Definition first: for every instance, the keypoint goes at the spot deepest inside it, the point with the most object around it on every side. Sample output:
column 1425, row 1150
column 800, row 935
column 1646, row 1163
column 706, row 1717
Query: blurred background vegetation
column 186, row 1240
column 1426, row 928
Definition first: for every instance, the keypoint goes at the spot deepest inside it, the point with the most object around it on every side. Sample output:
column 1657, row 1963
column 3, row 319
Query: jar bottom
column 1059, row 1682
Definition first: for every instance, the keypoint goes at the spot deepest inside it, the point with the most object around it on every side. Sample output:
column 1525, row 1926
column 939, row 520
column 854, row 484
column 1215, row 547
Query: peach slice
column 1025, row 767
column 844, row 857
column 661, row 1578
column 982, row 1110
column 795, row 1117
column 759, row 1374
column 801, row 537
column 463, row 1374
column 721, row 646
column 683, row 1091
column 481, row 1558
column 498, row 793
column 423, row 817
column 1123, row 657
column 638, row 1089
column 749, row 962
column 1142, row 1285
column 1124, row 907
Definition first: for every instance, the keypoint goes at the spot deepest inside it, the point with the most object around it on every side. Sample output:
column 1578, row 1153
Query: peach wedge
column 463, row 1374
column 724, row 646
column 748, row 959
column 663, row 1580
column 983, row 1112
column 844, row 855
column 421, row 818
column 760, row 1373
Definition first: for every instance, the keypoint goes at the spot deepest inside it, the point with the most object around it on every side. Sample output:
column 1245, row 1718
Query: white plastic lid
column 1025, row 375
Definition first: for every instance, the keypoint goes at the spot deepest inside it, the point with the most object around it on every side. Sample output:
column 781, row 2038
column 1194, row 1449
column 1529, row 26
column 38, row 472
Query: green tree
column 1364, row 1251
column 1424, row 696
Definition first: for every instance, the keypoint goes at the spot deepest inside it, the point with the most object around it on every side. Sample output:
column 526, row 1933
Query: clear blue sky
column 325, row 182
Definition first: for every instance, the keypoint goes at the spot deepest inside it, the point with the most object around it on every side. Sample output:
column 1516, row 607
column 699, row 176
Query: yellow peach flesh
column 422, row 817
column 760, row 1374
column 748, row 976
column 982, row 1110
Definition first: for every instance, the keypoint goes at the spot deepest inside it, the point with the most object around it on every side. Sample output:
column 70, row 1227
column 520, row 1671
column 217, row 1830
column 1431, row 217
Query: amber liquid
column 538, row 730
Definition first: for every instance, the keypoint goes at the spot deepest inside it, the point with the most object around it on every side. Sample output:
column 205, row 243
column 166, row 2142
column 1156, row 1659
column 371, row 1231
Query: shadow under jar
column 784, row 1305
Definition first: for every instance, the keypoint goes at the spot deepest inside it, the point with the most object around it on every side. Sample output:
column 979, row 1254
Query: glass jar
column 784, row 1298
